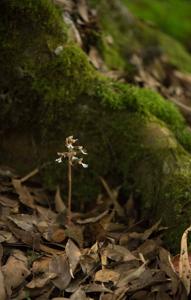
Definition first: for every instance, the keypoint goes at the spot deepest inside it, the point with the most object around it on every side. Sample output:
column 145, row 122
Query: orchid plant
column 72, row 155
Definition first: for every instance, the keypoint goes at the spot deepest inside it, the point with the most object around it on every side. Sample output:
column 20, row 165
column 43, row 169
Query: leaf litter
column 102, row 255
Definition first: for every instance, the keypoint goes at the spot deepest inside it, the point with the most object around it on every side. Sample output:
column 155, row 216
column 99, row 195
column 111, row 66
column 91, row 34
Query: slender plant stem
column 69, row 192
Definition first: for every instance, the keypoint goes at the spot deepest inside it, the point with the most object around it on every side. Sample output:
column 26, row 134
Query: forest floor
column 102, row 254
column 107, row 253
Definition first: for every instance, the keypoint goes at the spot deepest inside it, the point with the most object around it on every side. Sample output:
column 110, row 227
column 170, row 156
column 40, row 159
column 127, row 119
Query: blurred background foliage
column 171, row 16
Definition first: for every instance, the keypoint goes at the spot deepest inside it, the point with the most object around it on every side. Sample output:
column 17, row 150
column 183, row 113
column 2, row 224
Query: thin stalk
column 69, row 191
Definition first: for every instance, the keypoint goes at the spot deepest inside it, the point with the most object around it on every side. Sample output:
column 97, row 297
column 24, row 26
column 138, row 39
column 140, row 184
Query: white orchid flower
column 59, row 160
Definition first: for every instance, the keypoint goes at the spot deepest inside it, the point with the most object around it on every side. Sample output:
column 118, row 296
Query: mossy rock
column 134, row 137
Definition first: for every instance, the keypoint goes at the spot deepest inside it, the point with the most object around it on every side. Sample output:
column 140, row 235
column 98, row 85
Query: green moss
column 72, row 72
column 145, row 102
column 30, row 31
column 176, row 210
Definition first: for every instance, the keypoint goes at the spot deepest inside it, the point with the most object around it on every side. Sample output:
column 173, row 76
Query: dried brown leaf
column 96, row 288
column 95, row 58
column 41, row 265
column 15, row 270
column 130, row 276
column 107, row 275
column 166, row 266
column 118, row 253
column 60, row 265
column 79, row 295
column 41, row 280
column 58, row 235
column 184, row 264
column 5, row 236
column 83, row 10
column 46, row 213
column 76, row 233
column 3, row 294
column 24, row 221
column 73, row 253
column 113, row 196
column 59, row 203
column 24, row 195
column 49, row 250
column 32, row 239
column 5, row 201
column 88, row 263
column 93, row 219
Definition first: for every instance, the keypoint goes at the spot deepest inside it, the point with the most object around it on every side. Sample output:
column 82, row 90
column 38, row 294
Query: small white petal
column 84, row 152
column 59, row 160
column 69, row 146
column 84, row 165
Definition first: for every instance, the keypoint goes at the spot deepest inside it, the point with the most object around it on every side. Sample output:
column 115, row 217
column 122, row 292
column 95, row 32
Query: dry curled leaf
column 184, row 264
column 73, row 253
